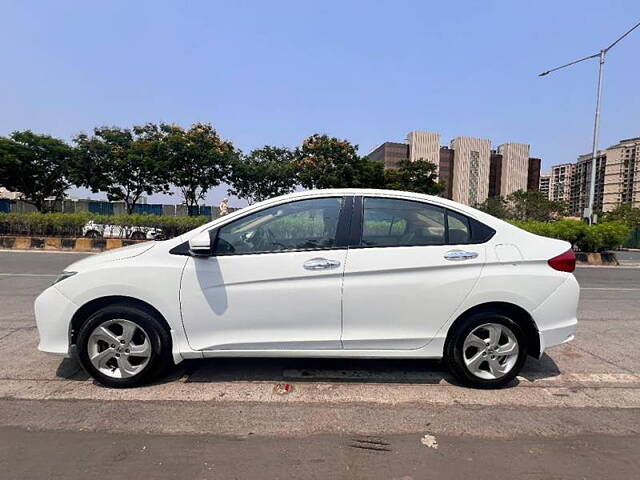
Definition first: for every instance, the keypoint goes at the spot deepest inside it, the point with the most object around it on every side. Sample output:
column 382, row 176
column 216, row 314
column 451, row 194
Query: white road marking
column 611, row 289
column 27, row 275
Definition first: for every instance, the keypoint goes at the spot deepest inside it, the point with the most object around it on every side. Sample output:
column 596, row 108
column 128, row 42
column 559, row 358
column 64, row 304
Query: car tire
column 480, row 365
column 123, row 346
column 92, row 234
column 138, row 236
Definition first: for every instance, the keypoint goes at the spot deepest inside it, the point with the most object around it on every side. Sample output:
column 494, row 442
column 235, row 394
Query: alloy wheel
column 490, row 351
column 119, row 348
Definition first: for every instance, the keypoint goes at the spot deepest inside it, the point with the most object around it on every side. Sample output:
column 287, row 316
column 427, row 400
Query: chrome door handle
column 458, row 255
column 321, row 264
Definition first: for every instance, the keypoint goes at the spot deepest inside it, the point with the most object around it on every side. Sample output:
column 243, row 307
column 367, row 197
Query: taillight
column 565, row 262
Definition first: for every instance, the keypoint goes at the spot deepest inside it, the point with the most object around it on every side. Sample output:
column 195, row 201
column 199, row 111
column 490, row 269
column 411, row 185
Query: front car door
column 410, row 265
column 274, row 280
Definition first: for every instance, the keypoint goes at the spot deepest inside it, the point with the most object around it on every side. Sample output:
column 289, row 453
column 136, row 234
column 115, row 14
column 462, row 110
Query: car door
column 274, row 280
column 410, row 265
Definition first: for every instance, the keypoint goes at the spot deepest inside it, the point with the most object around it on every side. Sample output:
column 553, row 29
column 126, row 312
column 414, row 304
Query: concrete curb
column 63, row 243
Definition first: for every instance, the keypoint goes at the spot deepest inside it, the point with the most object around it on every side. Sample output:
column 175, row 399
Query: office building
column 468, row 168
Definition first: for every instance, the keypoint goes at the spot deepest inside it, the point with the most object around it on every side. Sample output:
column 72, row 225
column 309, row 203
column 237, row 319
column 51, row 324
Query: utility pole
column 588, row 212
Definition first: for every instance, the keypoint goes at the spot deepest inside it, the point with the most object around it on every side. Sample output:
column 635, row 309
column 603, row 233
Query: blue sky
column 369, row 71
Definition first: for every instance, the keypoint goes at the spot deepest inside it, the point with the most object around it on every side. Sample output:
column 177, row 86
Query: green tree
column 264, row 173
column 496, row 206
column 197, row 159
column 533, row 205
column 418, row 176
column 35, row 165
column 328, row 162
column 626, row 213
column 124, row 163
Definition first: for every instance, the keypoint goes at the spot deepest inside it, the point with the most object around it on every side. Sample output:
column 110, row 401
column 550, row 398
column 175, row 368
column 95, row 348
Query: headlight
column 64, row 275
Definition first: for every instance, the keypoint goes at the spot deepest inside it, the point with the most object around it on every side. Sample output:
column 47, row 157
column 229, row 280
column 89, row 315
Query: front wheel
column 487, row 350
column 123, row 346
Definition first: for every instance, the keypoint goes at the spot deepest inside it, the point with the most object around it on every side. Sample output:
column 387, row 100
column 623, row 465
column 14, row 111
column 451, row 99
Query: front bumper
column 53, row 319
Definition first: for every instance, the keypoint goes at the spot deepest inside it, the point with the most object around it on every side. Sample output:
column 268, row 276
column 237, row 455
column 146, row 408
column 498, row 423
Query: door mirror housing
column 201, row 245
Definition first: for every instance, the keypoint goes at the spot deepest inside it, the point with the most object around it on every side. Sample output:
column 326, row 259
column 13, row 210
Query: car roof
column 380, row 192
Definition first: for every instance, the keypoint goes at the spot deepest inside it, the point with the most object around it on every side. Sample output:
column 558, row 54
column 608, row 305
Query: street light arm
column 627, row 33
column 547, row 72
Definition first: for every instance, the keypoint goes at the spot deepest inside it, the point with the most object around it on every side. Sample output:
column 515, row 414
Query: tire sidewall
column 158, row 338
column 454, row 351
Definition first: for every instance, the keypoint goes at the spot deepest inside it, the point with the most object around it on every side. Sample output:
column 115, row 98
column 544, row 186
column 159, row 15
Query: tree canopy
column 35, row 165
column 417, row 176
column 524, row 205
column 266, row 172
column 124, row 163
column 328, row 162
column 197, row 159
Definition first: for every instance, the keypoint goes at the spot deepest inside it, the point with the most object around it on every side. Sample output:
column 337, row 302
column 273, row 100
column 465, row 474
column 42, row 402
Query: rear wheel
column 138, row 236
column 487, row 350
column 92, row 234
column 123, row 346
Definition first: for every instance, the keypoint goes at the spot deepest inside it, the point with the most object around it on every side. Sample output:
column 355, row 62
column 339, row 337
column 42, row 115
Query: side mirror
column 200, row 245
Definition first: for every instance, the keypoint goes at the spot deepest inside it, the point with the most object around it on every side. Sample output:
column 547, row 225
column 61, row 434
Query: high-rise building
column 515, row 167
column 622, row 175
column 545, row 180
column 424, row 146
column 469, row 169
column 560, row 182
column 617, row 179
column 390, row 153
column 533, row 175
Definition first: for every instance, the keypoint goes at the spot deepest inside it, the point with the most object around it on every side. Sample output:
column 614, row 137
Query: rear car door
column 410, row 265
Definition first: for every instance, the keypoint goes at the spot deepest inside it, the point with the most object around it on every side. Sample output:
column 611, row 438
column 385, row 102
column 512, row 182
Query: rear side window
column 389, row 222
column 459, row 230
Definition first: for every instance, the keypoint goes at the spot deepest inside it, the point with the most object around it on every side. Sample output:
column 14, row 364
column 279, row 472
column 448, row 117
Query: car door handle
column 459, row 255
column 321, row 264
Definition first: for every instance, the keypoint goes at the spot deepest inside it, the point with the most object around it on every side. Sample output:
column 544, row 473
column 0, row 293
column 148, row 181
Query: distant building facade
column 543, row 185
column 617, row 179
column 560, row 182
column 470, row 170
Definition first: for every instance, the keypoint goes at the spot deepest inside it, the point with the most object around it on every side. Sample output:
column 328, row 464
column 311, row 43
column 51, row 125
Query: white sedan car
column 328, row 273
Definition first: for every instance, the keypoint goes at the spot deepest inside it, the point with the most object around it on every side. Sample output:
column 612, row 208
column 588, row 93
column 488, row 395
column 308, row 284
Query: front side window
column 391, row 222
column 302, row 225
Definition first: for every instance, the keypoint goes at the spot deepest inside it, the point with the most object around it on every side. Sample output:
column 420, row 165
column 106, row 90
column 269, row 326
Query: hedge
column 586, row 238
column 70, row 224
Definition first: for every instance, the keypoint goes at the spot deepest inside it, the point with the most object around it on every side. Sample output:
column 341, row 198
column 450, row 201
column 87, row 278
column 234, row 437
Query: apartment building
column 543, row 184
column 617, row 179
column 560, row 182
column 470, row 170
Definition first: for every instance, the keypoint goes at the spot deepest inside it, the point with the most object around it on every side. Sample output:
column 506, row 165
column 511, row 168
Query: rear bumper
column 53, row 319
column 557, row 318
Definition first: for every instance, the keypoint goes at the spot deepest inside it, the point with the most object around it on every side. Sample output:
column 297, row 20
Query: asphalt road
column 573, row 414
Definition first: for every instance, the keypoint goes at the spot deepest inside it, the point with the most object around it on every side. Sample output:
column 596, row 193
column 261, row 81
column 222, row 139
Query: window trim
column 357, row 224
column 342, row 229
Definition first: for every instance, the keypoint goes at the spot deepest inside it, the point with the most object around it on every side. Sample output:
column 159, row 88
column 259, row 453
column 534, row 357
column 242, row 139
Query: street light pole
column 596, row 124
column 596, row 137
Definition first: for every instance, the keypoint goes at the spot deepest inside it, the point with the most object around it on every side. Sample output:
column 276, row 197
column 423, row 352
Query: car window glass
column 459, row 231
column 303, row 225
column 391, row 222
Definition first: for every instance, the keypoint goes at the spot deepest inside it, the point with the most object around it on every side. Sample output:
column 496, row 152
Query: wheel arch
column 92, row 306
column 515, row 312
